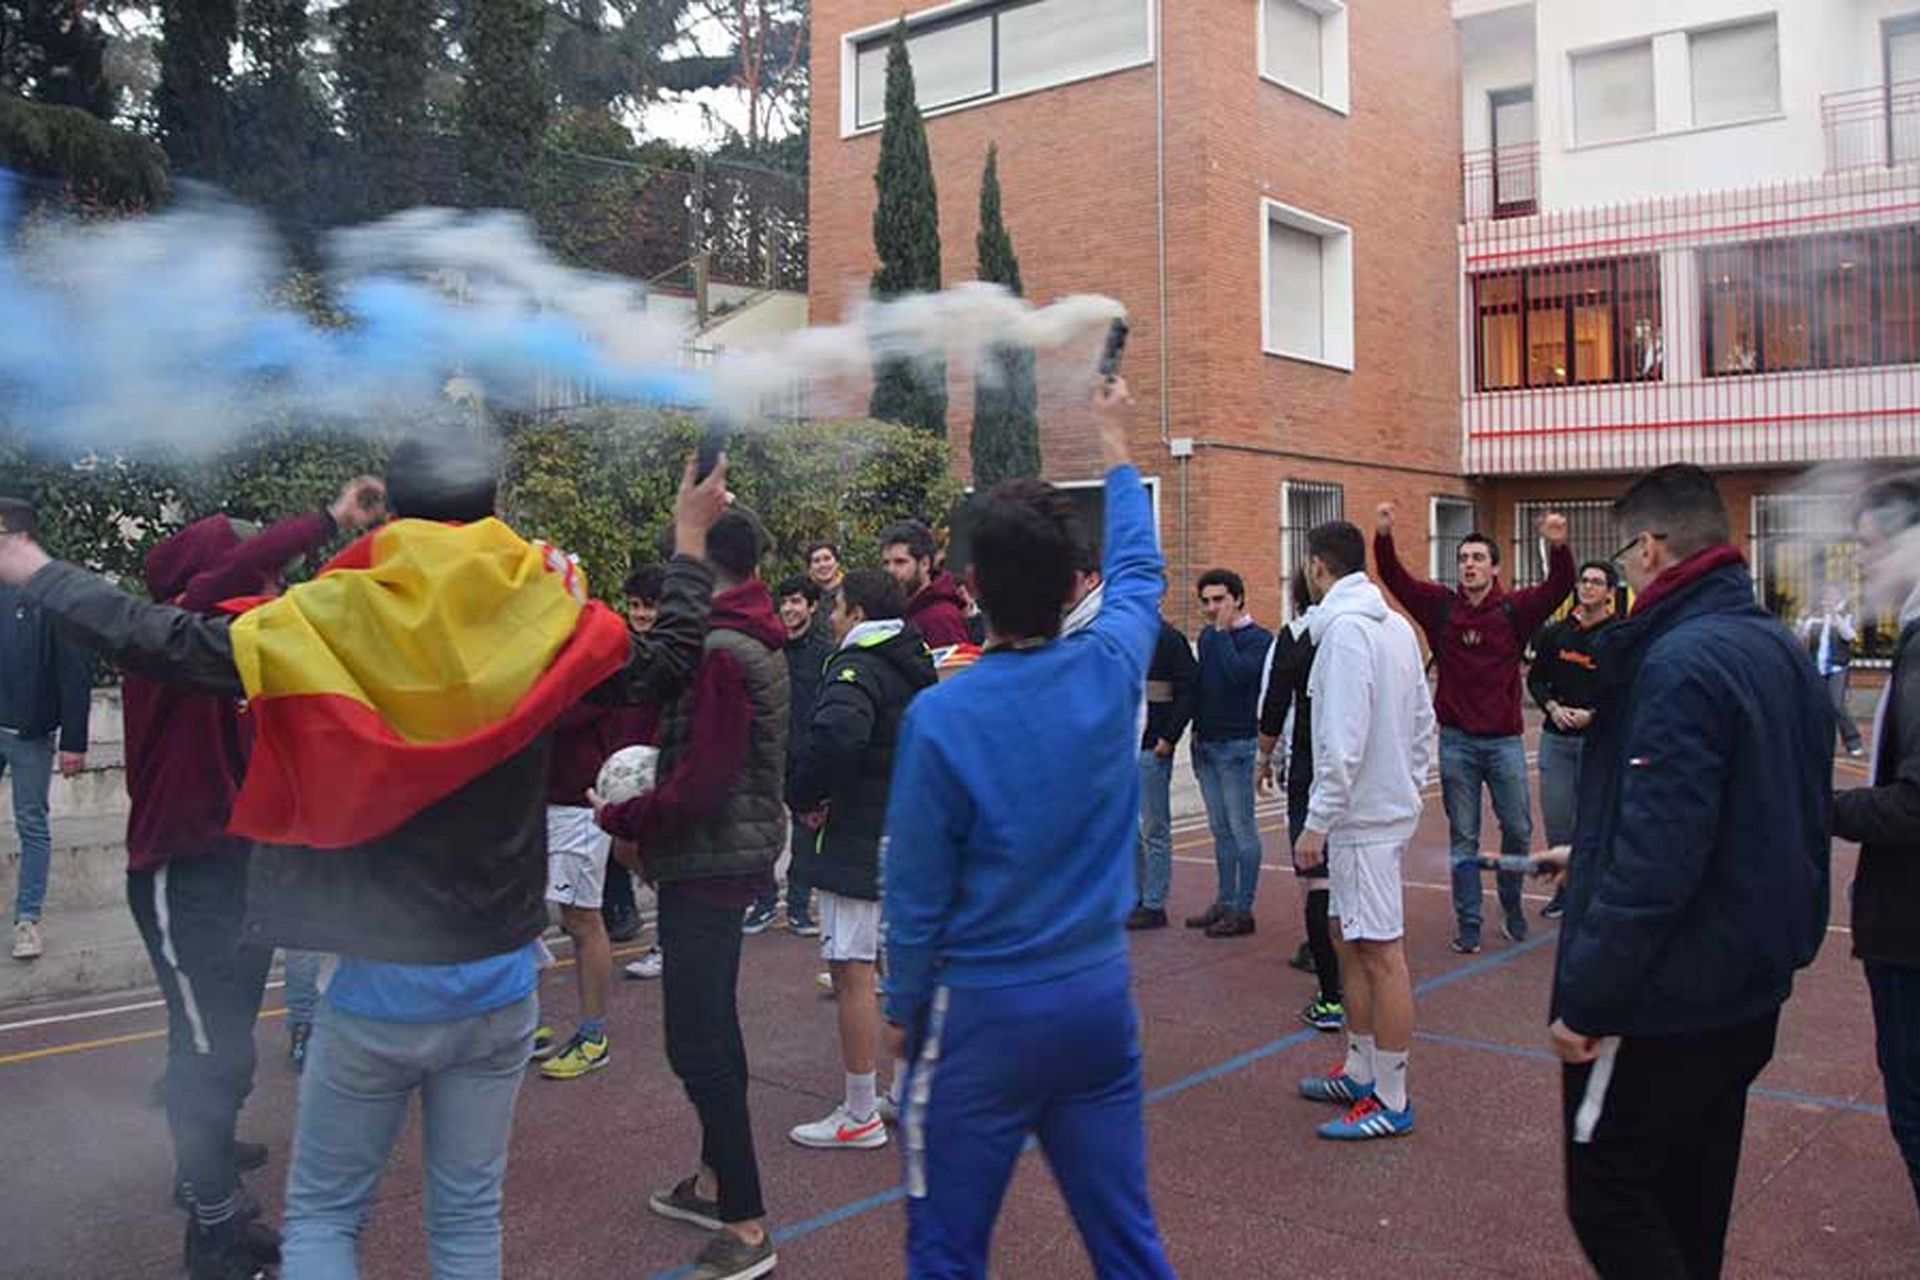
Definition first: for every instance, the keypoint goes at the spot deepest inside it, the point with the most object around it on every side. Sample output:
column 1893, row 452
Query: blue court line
column 1759, row 1091
column 1239, row 1062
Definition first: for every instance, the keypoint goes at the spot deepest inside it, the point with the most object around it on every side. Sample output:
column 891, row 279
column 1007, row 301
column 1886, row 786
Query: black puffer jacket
column 463, row 879
column 847, row 759
column 1885, row 819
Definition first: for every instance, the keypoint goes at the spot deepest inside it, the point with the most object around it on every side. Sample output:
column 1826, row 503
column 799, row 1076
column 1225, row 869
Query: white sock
column 1392, row 1083
column 1360, row 1053
column 860, row 1095
column 899, row 1081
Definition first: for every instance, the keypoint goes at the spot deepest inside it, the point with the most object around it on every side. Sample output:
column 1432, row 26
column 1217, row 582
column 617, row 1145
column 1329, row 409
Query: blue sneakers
column 1369, row 1119
column 1335, row 1086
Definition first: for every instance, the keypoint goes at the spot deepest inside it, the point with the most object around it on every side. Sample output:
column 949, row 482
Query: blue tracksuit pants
column 1057, row 1059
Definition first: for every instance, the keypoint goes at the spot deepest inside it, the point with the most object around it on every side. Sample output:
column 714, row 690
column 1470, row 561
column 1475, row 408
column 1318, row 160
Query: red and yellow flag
column 419, row 658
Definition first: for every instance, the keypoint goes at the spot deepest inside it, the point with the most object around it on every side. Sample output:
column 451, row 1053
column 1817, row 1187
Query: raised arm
column 1130, row 604
column 662, row 661
column 165, row 642
column 1532, row 606
column 1425, row 601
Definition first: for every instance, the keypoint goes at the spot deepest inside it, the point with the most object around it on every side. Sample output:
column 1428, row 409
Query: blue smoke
column 168, row 331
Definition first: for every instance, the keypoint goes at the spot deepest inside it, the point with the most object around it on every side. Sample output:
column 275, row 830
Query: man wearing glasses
column 1564, row 678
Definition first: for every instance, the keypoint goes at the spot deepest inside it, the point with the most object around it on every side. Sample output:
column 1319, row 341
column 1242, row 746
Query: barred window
column 1590, row 535
column 1304, row 504
column 1804, row 543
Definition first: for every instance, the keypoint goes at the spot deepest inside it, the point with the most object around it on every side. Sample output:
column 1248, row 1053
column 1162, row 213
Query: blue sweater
column 1226, row 702
column 1011, row 829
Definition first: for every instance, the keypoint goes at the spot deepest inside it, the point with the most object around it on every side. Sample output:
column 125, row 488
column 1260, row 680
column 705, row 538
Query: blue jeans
column 1059, row 1060
column 1153, row 859
column 353, row 1101
column 1225, row 771
column 30, row 761
column 1896, row 1024
column 1842, row 714
column 1466, row 762
column 303, row 985
column 1560, row 784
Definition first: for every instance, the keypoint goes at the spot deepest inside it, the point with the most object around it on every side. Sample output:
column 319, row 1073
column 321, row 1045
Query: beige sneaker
column 26, row 940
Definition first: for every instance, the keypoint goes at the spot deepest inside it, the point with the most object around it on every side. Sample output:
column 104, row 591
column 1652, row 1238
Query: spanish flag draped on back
column 418, row 659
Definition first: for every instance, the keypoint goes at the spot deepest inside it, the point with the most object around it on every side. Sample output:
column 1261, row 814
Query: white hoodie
column 1373, row 723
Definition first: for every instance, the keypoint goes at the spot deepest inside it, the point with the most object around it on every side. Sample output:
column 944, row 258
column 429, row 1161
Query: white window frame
column 850, row 127
column 1336, row 301
column 1779, row 88
column 1672, row 82
column 1336, row 89
column 1442, row 561
column 1574, row 140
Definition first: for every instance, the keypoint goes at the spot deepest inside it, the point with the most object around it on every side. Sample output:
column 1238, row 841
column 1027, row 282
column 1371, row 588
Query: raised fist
column 1383, row 519
column 1553, row 527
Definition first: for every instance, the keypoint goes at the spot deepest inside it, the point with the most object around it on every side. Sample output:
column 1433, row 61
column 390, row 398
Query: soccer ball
column 627, row 773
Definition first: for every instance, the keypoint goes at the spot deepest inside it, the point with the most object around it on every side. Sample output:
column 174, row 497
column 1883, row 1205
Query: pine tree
column 196, row 58
column 386, row 52
column 1006, row 419
column 906, row 233
column 503, row 101
column 279, row 123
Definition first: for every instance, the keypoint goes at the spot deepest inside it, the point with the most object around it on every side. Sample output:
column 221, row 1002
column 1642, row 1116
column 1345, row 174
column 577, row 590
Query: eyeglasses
column 1633, row 542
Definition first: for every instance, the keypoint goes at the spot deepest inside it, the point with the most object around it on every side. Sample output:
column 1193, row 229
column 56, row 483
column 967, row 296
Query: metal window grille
column 1802, row 543
column 1303, row 505
column 1453, row 519
column 1590, row 534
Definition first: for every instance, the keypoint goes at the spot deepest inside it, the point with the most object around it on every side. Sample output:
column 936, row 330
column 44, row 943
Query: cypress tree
column 386, row 53
column 278, row 121
column 1006, row 419
column 910, row 389
column 196, row 57
column 503, row 101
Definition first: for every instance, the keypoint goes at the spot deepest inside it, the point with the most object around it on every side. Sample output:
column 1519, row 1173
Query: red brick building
column 1269, row 186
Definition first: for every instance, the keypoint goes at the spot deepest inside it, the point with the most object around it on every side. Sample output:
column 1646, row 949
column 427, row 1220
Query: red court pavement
column 1242, row 1186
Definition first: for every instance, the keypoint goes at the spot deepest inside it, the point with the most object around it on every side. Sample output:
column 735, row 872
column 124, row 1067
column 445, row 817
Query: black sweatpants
column 189, row 915
column 1326, row 960
column 699, row 979
column 1653, row 1132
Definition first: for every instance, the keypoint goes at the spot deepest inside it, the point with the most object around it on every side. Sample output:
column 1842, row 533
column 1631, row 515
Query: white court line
column 85, row 1014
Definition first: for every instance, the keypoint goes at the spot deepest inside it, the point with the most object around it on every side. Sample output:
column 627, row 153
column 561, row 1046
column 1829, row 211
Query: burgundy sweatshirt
column 936, row 610
column 1476, row 647
column 702, row 778
column 186, row 750
column 583, row 738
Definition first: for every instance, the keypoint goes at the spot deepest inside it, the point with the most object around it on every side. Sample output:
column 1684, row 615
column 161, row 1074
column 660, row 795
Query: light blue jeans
column 303, row 985
column 30, row 762
column 353, row 1102
column 1153, row 861
column 1466, row 762
column 1225, row 771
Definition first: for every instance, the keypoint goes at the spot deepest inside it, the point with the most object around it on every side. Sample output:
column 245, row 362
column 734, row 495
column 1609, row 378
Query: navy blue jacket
column 1700, row 868
column 45, row 683
column 1226, row 701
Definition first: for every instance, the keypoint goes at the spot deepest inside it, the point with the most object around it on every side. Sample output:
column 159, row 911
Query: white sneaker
column 646, row 967
column 841, row 1130
column 824, row 981
column 26, row 940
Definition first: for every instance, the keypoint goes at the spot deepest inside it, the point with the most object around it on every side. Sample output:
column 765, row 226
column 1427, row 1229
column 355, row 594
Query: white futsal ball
column 627, row 773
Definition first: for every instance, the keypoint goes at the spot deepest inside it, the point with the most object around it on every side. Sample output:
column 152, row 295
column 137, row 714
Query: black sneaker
column 1557, row 908
column 1302, row 959
column 221, row 1252
column 684, row 1204
column 728, row 1257
column 297, row 1036
column 1233, row 924
column 802, row 925
column 1147, row 918
column 1208, row 918
column 758, row 920
column 1466, row 944
column 1514, row 928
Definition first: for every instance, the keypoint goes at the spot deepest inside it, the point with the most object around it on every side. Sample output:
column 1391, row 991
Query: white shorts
column 1365, row 891
column 849, row 928
column 577, row 852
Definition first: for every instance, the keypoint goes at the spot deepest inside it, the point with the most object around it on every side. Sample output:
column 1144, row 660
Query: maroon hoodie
column 1476, row 647
column 583, row 738
column 186, row 750
column 936, row 609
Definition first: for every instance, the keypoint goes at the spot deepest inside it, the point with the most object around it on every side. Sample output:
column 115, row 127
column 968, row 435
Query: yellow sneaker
column 578, row 1059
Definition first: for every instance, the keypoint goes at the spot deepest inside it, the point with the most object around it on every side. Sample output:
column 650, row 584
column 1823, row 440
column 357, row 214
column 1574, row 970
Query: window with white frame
column 1449, row 519
column 1304, row 505
column 1590, row 536
column 1736, row 71
column 1303, row 47
column 998, row 48
column 1307, row 269
column 1613, row 93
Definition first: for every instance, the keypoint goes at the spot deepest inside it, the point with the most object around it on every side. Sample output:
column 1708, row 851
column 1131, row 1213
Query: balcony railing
column 1501, row 182
column 1873, row 128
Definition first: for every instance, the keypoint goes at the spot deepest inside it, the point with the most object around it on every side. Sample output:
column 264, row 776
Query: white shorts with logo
column 1365, row 890
column 849, row 928
column 577, row 852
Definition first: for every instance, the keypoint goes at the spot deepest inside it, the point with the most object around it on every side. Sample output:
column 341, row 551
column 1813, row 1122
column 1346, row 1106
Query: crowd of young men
column 1684, row 782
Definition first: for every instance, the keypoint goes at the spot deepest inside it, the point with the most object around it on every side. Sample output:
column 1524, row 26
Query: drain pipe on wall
column 1179, row 450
